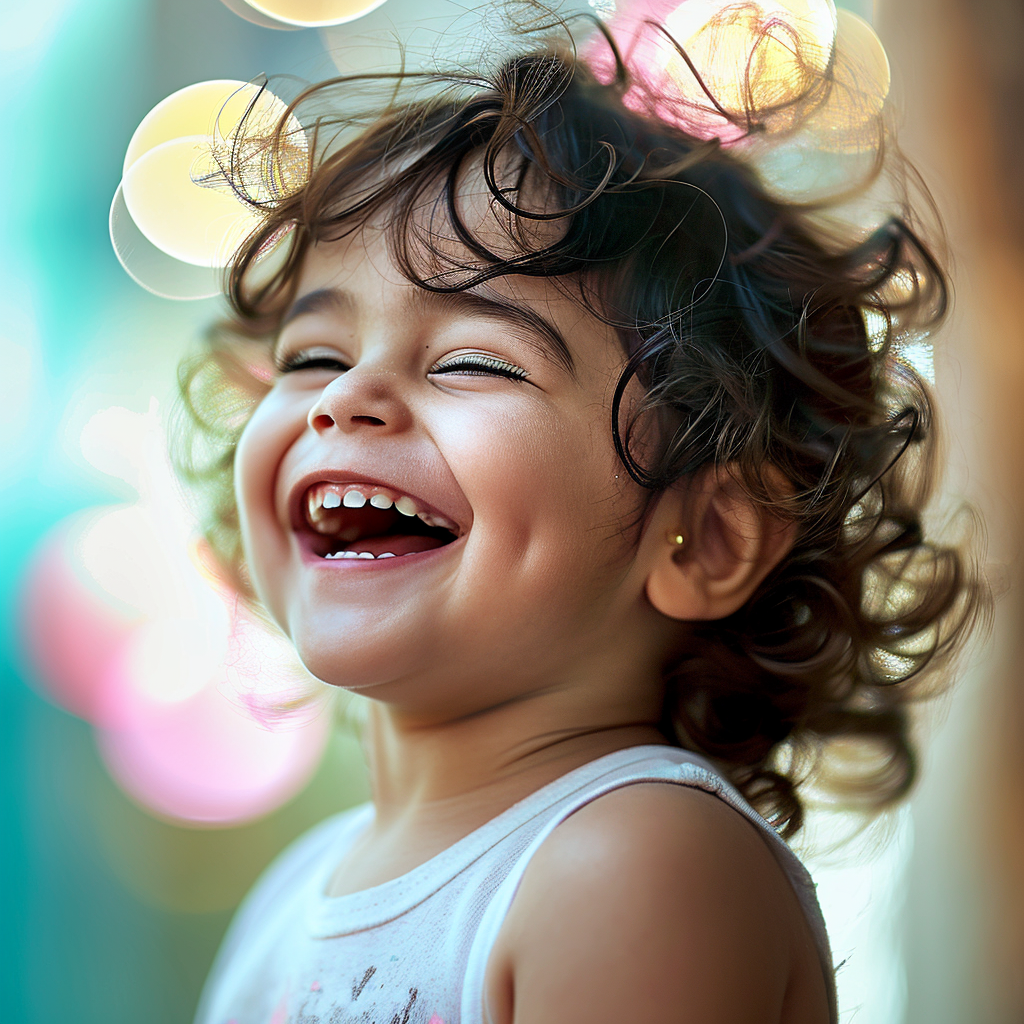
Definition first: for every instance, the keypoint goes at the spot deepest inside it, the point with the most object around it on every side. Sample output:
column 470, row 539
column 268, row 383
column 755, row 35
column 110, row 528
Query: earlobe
column 672, row 590
column 709, row 567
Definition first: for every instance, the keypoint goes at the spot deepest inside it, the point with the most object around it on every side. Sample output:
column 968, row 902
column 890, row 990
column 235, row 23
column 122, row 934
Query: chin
column 338, row 660
column 338, row 666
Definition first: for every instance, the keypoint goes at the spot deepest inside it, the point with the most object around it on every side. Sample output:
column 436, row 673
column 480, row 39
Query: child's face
column 412, row 397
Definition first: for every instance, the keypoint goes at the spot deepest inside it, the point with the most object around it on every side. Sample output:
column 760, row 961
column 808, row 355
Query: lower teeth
column 360, row 554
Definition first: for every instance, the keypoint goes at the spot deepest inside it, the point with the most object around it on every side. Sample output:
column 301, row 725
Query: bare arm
column 655, row 904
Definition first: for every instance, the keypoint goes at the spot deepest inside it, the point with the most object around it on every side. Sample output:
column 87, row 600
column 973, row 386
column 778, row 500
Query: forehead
column 360, row 278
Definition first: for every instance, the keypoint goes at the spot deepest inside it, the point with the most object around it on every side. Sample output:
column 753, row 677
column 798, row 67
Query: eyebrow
column 553, row 344
column 323, row 300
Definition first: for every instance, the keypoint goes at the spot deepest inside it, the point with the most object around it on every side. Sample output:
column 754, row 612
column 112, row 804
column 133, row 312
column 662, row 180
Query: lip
column 297, row 496
column 362, row 565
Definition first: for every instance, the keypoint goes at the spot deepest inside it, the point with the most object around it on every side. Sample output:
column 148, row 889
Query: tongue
column 397, row 544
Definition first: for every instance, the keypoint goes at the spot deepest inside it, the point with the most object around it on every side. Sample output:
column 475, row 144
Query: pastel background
column 146, row 777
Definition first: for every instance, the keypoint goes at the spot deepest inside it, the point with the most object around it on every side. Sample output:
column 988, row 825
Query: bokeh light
column 196, row 171
column 202, row 715
column 751, row 55
column 153, row 268
column 72, row 630
column 716, row 69
column 846, row 121
column 293, row 14
column 199, row 758
column 835, row 148
column 190, row 222
column 797, row 84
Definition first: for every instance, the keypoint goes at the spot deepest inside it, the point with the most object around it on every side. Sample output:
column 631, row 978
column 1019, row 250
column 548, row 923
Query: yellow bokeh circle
column 202, row 226
column 196, row 171
column 860, row 85
column 206, row 108
column 751, row 56
column 303, row 13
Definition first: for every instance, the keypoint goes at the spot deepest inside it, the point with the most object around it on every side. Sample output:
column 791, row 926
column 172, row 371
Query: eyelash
column 304, row 361
column 475, row 364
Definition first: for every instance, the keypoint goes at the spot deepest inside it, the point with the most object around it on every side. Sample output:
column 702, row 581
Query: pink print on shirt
column 280, row 1014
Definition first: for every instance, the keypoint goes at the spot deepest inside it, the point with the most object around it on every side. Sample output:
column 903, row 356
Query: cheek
column 264, row 443
column 507, row 460
column 545, row 489
column 254, row 467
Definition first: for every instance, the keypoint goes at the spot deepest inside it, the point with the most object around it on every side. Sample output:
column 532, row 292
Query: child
column 567, row 445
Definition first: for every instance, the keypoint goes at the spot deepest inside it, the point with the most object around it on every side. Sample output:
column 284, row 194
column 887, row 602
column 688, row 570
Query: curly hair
column 764, row 344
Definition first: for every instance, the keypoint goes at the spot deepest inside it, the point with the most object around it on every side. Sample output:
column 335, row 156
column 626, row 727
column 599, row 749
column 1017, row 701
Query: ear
column 730, row 543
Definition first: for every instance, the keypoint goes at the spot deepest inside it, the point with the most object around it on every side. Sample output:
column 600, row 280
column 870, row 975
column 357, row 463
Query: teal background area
column 108, row 915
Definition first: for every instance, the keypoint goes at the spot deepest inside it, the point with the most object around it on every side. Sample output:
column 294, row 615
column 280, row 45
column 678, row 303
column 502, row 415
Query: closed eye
column 478, row 364
column 311, row 359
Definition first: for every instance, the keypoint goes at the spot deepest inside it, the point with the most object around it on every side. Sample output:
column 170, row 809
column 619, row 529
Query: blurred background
column 146, row 780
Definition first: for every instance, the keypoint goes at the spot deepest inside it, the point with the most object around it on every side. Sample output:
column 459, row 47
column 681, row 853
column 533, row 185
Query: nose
column 360, row 400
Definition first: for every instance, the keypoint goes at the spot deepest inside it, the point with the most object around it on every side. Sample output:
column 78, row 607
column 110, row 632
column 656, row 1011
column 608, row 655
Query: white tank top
column 414, row 950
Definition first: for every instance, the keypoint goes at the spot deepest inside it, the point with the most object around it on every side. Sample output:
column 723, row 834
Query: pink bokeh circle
column 204, row 759
column 70, row 631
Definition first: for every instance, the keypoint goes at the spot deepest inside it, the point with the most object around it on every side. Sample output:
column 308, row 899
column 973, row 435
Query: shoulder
column 653, row 902
column 264, row 908
column 294, row 866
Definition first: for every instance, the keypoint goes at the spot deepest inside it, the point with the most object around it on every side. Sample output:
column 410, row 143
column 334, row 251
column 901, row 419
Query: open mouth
column 367, row 521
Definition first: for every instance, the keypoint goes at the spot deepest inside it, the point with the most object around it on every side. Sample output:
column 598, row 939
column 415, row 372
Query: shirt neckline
column 332, row 916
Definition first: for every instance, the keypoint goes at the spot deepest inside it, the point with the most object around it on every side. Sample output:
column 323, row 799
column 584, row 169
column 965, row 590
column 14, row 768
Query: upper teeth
column 323, row 498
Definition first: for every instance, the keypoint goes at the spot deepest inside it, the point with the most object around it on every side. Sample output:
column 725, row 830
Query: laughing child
column 591, row 465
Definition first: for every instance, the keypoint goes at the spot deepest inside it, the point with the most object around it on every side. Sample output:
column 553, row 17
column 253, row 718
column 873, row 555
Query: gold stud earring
column 676, row 538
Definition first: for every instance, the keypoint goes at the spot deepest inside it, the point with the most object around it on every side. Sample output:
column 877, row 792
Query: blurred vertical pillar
column 960, row 80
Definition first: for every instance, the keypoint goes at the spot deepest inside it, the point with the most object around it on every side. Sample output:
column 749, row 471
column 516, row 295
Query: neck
column 456, row 774
column 436, row 776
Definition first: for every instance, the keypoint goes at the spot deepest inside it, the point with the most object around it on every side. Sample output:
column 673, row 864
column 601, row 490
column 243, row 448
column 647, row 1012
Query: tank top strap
column 670, row 765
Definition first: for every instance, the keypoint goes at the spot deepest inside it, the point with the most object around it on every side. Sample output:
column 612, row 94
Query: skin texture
column 529, row 646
